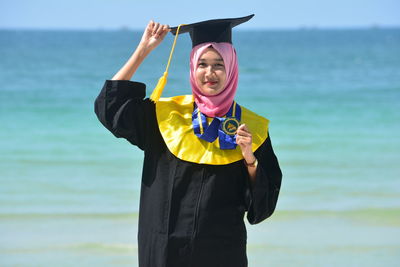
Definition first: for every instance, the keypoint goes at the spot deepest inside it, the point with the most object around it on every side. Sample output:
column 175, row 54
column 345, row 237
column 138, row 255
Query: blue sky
column 114, row 14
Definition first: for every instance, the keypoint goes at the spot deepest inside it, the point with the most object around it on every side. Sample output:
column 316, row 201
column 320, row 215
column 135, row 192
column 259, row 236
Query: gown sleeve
column 122, row 109
column 262, row 196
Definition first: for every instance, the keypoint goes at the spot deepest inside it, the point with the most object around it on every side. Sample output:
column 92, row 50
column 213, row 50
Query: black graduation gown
column 190, row 214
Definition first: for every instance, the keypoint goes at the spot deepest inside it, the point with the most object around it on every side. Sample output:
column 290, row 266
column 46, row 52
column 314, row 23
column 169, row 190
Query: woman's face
column 210, row 73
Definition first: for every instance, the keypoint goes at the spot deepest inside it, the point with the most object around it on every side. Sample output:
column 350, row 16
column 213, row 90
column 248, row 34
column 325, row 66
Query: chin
column 210, row 92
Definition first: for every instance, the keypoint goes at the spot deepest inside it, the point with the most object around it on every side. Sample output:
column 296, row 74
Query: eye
column 202, row 65
column 219, row 66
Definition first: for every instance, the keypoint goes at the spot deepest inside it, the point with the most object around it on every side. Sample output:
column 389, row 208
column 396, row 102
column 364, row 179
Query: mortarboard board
column 216, row 30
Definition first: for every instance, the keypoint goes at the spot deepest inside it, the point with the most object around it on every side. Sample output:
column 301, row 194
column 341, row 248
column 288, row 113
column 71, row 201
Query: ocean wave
column 81, row 247
column 376, row 216
column 122, row 215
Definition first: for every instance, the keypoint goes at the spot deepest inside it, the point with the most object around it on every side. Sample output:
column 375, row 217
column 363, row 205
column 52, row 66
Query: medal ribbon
column 210, row 132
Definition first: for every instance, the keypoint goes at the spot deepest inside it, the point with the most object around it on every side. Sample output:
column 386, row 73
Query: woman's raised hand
column 154, row 34
column 152, row 37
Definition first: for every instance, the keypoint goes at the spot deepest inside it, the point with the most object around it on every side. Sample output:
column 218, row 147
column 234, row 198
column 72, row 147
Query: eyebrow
column 215, row 59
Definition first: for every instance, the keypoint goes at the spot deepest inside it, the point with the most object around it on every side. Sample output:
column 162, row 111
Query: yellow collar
column 174, row 116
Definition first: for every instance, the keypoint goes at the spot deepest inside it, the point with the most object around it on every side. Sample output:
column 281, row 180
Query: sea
column 69, row 190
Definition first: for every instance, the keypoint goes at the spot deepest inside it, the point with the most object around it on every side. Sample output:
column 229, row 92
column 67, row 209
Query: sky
column 135, row 14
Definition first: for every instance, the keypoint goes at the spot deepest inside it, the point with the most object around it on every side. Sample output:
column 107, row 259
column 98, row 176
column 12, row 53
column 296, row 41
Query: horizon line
column 127, row 28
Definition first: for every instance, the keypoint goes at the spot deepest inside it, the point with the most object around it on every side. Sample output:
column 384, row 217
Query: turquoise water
column 69, row 190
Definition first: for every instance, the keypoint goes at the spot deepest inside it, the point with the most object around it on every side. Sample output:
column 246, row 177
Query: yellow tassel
column 156, row 94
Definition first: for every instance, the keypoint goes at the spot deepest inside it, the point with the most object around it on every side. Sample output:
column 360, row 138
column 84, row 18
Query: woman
column 201, row 171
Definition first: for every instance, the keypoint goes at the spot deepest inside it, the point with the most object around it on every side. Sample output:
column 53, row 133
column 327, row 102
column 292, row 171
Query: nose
column 209, row 71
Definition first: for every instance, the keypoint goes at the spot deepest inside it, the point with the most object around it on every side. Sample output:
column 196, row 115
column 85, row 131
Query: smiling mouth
column 211, row 82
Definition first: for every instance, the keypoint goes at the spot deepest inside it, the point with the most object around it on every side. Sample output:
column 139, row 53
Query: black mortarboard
column 216, row 30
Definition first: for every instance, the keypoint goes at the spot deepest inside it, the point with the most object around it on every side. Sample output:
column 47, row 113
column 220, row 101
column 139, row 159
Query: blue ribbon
column 210, row 132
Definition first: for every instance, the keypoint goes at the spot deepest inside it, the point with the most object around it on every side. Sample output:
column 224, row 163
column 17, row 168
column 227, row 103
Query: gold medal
column 230, row 125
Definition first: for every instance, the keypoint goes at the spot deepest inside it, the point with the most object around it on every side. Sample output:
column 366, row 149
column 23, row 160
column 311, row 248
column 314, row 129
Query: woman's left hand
column 244, row 140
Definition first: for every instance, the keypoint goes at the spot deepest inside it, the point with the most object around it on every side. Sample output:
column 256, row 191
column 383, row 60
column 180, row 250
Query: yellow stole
column 174, row 117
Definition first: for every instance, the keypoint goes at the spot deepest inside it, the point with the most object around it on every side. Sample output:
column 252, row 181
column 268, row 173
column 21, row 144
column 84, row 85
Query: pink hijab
column 215, row 105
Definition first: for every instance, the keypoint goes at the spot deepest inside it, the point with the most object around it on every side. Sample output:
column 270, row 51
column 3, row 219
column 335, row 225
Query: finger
column 241, row 126
column 159, row 30
column 243, row 146
column 155, row 28
column 243, row 140
column 149, row 27
column 243, row 133
column 162, row 31
column 244, row 127
column 167, row 29
column 240, row 142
